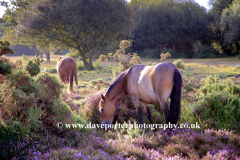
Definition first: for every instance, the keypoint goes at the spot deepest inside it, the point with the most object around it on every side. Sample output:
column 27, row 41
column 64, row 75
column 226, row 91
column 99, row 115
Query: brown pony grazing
column 67, row 68
column 149, row 85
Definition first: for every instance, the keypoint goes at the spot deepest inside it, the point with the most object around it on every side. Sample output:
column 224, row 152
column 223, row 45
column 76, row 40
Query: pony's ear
column 60, row 58
column 103, row 98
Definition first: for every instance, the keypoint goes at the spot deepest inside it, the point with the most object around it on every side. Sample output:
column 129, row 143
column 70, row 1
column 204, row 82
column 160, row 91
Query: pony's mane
column 115, row 83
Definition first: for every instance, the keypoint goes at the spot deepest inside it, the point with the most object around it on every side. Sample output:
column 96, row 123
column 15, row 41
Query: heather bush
column 50, row 87
column 21, row 80
column 32, row 68
column 33, row 105
column 218, row 104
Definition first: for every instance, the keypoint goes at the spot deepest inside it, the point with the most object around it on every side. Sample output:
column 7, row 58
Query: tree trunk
column 48, row 56
column 87, row 64
column 41, row 54
column 37, row 52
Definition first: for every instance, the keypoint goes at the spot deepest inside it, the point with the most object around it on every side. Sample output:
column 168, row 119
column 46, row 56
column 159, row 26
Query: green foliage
column 74, row 54
column 218, row 105
column 150, row 53
column 5, row 68
column 24, row 57
column 38, row 60
column 179, row 64
column 5, row 48
column 205, row 51
column 96, row 65
column 23, row 81
column 129, row 130
column 32, row 68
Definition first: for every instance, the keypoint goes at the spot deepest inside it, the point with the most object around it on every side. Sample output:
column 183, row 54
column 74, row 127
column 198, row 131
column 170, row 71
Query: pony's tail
column 175, row 104
column 70, row 86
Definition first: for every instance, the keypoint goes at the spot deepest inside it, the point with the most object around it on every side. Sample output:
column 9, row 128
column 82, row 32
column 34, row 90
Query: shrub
column 179, row 64
column 5, row 67
column 96, row 65
column 32, row 68
column 218, row 105
column 164, row 56
column 80, row 65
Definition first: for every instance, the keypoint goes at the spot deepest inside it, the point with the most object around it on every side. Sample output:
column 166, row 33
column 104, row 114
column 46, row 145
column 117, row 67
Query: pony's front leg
column 149, row 115
column 137, row 104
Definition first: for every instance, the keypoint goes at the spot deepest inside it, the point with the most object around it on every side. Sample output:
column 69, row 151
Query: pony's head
column 107, row 110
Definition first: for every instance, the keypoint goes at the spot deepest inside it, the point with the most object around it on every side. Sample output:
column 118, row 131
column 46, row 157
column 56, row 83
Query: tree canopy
column 83, row 25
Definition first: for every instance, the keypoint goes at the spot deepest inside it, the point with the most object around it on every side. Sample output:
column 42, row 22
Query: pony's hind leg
column 75, row 75
column 165, row 110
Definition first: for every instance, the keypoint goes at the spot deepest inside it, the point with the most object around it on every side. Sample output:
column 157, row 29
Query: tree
column 83, row 25
column 230, row 23
column 9, row 22
column 216, row 13
column 170, row 24
column 3, row 3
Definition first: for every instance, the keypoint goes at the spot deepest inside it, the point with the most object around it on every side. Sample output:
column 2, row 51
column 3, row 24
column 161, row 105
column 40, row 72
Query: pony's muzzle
column 106, row 125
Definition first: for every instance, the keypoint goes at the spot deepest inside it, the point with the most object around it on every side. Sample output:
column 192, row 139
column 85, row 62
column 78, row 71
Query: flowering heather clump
column 90, row 109
column 184, row 144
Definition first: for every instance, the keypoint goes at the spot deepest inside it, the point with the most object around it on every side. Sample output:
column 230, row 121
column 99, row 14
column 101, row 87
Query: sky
column 201, row 2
